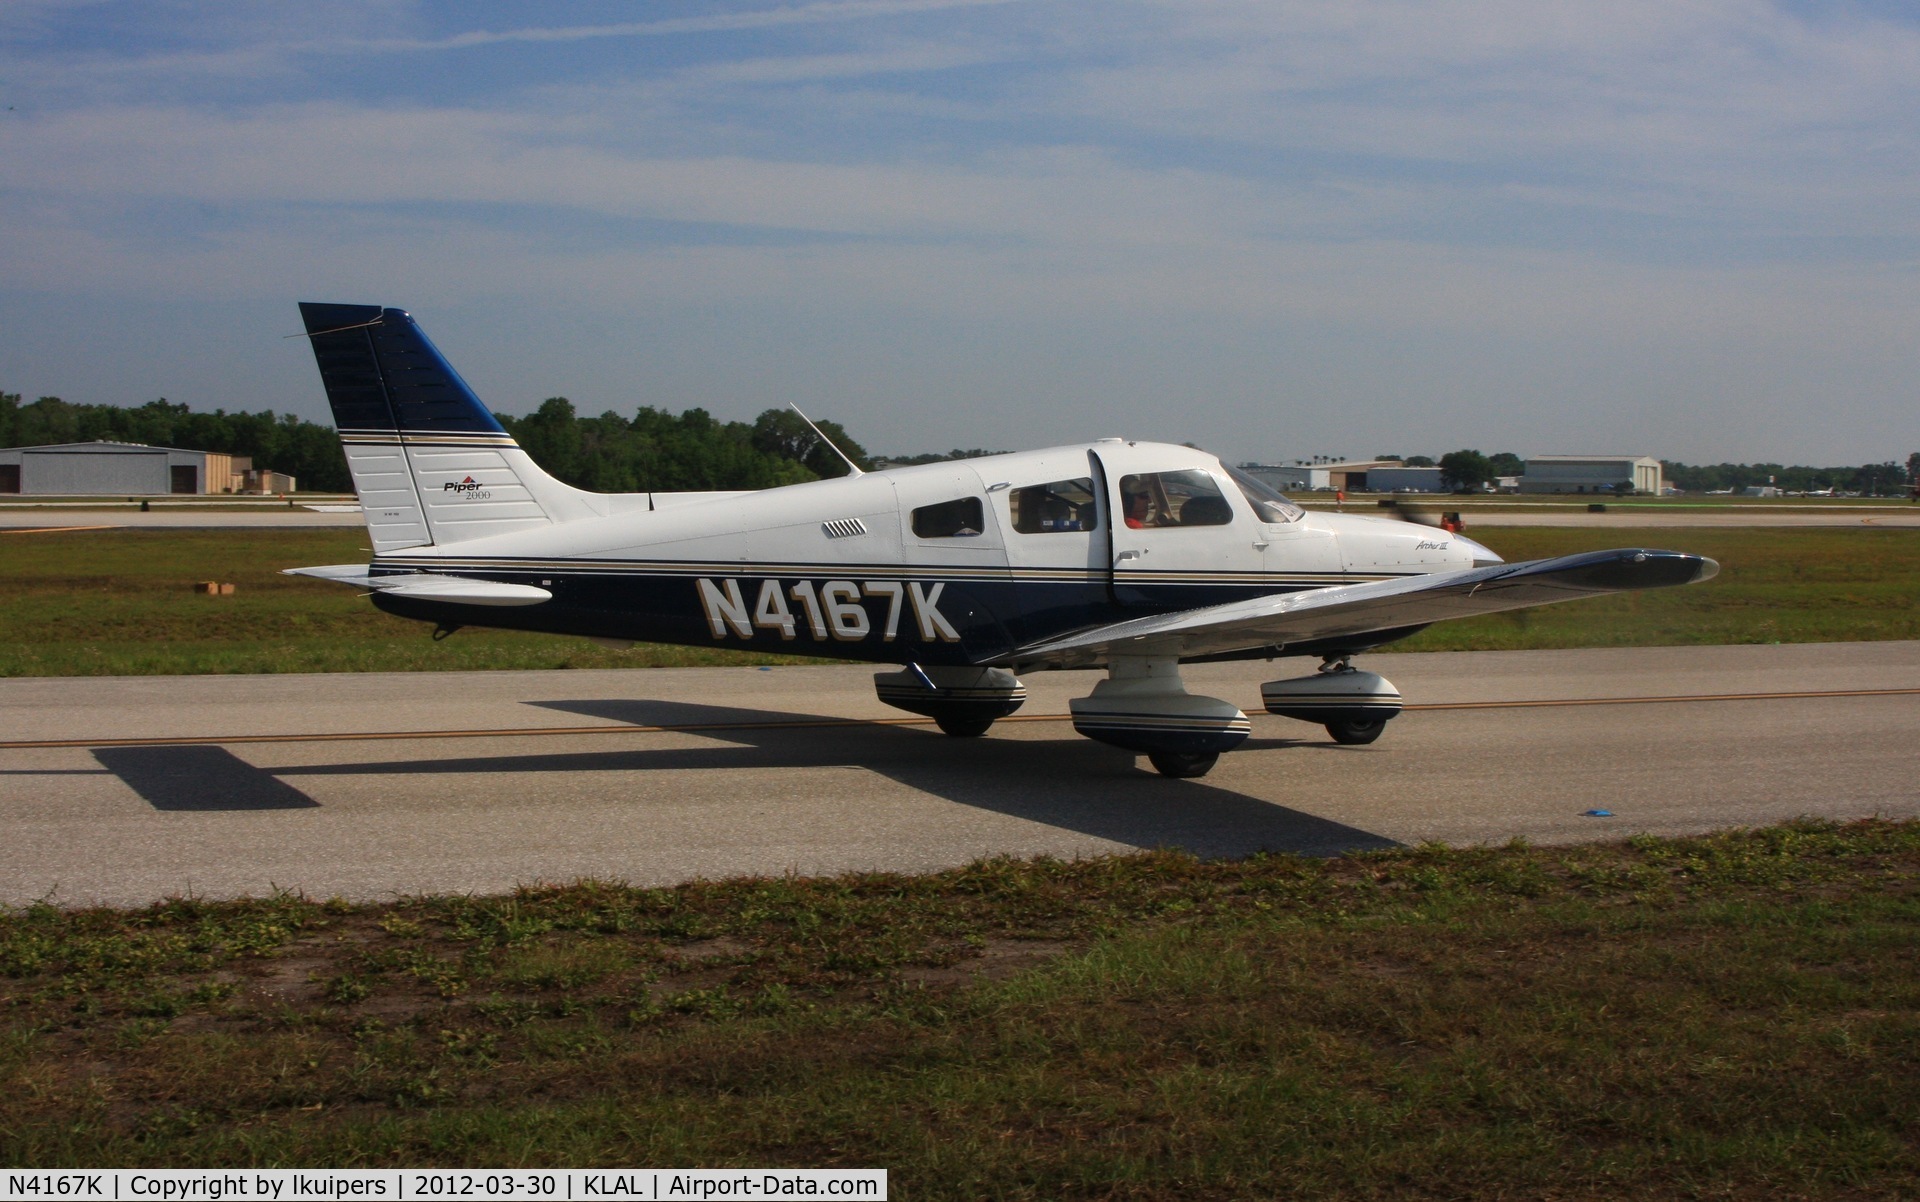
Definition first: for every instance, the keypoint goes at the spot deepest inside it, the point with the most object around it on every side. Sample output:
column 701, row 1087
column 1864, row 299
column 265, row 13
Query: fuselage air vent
column 844, row 527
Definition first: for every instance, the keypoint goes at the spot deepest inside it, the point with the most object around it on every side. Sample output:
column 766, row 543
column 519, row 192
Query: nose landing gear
column 1181, row 764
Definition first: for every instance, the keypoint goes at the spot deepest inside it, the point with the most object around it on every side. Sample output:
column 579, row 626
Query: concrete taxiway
column 125, row 790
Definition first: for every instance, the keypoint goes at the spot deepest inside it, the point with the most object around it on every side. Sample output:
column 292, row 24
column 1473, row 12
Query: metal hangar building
column 1592, row 474
column 127, row 469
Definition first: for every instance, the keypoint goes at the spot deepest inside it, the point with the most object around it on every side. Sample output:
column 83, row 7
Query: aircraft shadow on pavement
column 1071, row 783
column 199, row 778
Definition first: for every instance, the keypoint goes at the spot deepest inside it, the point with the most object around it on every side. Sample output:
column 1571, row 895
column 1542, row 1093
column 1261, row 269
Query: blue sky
column 1688, row 228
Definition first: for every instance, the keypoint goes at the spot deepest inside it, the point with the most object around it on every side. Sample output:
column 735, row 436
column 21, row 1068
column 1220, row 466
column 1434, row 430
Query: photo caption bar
column 401, row 1185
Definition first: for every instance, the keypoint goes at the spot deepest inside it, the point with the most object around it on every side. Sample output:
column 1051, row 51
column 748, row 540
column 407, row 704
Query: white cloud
column 1649, row 88
column 729, row 22
column 1409, row 212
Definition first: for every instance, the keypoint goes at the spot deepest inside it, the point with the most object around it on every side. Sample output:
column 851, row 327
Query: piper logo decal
column 826, row 611
column 468, row 489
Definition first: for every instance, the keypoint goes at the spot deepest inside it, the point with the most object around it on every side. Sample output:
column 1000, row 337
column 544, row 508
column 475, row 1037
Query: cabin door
column 1182, row 535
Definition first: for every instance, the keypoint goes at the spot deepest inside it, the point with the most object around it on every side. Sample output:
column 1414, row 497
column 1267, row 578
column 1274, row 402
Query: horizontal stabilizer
column 429, row 586
column 1359, row 609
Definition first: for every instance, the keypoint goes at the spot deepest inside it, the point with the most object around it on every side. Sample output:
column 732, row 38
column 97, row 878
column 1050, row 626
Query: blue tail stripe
column 381, row 373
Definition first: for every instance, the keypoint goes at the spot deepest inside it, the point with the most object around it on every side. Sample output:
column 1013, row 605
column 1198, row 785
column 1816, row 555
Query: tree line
column 694, row 451
column 653, row 450
column 691, row 452
column 1873, row 479
column 1471, row 469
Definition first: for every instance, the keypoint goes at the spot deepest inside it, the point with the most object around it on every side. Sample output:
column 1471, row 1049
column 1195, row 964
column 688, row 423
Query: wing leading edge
column 1358, row 609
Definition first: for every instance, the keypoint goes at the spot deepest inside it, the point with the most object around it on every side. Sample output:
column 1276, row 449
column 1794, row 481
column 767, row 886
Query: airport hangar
column 1592, row 473
column 131, row 469
column 1613, row 474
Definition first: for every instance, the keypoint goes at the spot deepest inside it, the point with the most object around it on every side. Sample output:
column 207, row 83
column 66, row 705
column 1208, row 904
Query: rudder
column 430, row 462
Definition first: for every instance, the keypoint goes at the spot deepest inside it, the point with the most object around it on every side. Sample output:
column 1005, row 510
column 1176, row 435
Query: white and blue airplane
column 1135, row 557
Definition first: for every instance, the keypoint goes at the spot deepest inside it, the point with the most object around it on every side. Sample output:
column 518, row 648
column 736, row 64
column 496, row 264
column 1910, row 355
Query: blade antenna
column 853, row 469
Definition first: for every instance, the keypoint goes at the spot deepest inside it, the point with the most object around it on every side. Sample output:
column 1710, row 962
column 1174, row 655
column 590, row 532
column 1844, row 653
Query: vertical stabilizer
column 430, row 463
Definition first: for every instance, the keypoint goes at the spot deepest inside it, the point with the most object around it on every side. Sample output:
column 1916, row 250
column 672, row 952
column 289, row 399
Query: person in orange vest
column 1339, row 497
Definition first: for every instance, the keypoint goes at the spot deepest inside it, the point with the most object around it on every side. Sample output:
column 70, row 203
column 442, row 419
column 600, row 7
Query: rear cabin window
column 1053, row 508
column 1189, row 498
column 964, row 518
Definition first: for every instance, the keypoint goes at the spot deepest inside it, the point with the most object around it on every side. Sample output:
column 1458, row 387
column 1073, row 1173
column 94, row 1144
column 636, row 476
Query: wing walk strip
column 819, row 723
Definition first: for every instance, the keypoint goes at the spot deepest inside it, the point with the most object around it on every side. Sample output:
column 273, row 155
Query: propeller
column 1422, row 515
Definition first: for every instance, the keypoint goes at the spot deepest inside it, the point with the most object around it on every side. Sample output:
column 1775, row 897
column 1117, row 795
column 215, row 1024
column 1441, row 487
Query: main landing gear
column 1143, row 706
column 963, row 702
column 1354, row 706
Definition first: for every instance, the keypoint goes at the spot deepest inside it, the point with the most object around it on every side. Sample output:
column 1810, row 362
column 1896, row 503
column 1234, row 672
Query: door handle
column 1126, row 555
column 1259, row 546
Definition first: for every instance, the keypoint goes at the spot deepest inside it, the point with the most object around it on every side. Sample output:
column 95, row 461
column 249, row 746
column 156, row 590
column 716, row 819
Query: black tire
column 1355, row 731
column 963, row 728
column 1180, row 764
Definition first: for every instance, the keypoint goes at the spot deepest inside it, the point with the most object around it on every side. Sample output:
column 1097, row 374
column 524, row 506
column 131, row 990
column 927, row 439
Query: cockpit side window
column 963, row 518
column 1266, row 501
column 1063, row 505
column 1188, row 498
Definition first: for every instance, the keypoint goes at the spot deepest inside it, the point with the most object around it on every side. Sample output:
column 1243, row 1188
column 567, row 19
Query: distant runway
column 210, row 517
column 378, row 785
column 1479, row 514
column 1839, row 516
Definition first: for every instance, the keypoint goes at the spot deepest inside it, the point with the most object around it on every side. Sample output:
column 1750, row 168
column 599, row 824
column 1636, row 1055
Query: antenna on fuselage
column 853, row 469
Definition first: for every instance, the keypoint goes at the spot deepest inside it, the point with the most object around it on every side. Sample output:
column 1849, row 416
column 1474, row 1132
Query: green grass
column 1797, row 585
column 120, row 603
column 1734, row 1016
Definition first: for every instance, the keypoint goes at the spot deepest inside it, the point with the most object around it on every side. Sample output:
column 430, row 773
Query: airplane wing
column 1358, row 609
column 427, row 586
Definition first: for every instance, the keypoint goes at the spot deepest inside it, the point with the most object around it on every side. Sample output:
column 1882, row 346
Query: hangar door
column 186, row 478
column 9, row 477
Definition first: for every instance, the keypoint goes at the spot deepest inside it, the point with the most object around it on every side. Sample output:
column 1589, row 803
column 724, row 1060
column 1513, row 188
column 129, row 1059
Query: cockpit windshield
column 1269, row 504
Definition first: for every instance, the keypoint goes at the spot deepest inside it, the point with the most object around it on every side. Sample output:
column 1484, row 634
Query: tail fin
column 430, row 463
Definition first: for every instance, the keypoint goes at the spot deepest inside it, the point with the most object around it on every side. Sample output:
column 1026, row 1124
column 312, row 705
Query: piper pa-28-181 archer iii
column 1135, row 557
